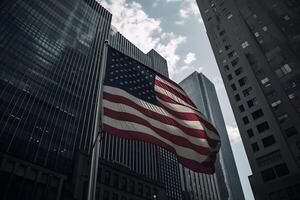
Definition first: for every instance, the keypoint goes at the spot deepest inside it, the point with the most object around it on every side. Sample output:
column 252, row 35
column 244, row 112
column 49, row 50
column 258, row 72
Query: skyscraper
column 146, row 159
column 256, row 45
column 49, row 76
column 203, row 93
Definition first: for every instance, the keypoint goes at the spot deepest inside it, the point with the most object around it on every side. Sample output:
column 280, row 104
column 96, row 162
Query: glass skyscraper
column 203, row 93
column 50, row 55
column 257, row 47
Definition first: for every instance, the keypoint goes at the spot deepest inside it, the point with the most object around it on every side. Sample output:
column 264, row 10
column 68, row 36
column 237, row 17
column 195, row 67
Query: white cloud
column 179, row 22
column 184, row 13
column 189, row 58
column 234, row 134
column 144, row 31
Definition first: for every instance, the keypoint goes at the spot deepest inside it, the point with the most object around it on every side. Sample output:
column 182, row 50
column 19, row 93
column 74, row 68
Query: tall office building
column 50, row 57
column 256, row 45
column 144, row 158
column 203, row 93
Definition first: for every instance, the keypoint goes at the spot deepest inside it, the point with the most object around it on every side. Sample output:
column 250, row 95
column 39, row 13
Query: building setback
column 256, row 45
column 203, row 93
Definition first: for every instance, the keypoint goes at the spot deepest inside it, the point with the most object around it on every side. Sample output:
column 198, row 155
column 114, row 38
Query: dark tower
column 256, row 45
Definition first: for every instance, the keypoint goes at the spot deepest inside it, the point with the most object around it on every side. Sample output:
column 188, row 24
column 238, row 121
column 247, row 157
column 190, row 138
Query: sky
column 175, row 29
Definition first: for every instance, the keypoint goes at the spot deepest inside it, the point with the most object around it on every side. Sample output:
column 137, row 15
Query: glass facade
column 50, row 53
column 225, row 181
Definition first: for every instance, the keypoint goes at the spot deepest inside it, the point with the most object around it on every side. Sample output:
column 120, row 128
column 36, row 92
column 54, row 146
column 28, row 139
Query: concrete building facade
column 256, row 45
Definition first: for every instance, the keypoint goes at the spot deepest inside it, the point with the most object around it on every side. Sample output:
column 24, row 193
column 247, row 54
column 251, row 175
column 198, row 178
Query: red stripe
column 170, row 81
column 191, row 164
column 175, row 92
column 184, row 115
column 178, row 140
column 167, row 120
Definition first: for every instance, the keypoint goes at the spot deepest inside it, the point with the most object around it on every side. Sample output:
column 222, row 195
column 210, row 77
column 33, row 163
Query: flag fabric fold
column 141, row 104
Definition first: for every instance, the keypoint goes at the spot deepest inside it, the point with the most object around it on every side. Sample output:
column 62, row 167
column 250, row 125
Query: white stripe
column 131, row 126
column 187, row 123
column 163, row 91
column 181, row 108
column 175, row 87
column 172, row 130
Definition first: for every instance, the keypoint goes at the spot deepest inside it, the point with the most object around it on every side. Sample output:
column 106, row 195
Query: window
column 286, row 18
column 255, row 147
column 265, row 28
column 266, row 82
column 268, row 174
column 229, row 16
column 243, row 81
column 124, row 183
column 285, row 69
column 116, row 180
column 268, row 141
column 292, row 96
column 229, row 76
column 222, row 32
column 247, row 91
column 245, row 44
column 262, row 127
column 291, row 131
column 257, row 114
column 235, row 62
column 241, row 108
column 131, row 186
column 256, row 34
column 238, row 71
column 140, row 189
column 281, row 170
column 276, row 104
column 233, row 87
column 252, row 102
column 231, row 54
column 250, row 133
column 269, row 158
column 147, row 192
column 105, row 195
column 246, row 120
column 227, row 47
column 107, row 177
column 237, row 97
column 282, row 118
column 226, row 67
column 115, row 196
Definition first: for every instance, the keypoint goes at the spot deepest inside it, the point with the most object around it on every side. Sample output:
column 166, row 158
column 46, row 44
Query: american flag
column 141, row 104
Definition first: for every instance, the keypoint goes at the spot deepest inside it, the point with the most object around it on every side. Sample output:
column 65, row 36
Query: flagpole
column 97, row 130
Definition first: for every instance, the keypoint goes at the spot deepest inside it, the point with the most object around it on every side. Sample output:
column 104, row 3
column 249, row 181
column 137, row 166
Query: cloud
column 190, row 57
column 189, row 10
column 144, row 31
column 179, row 22
column 234, row 134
